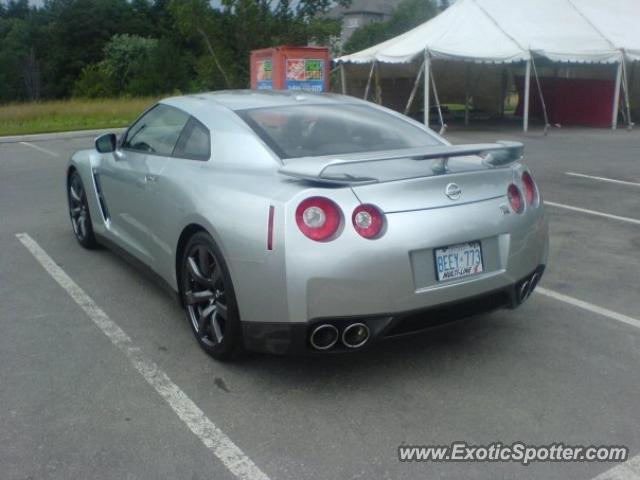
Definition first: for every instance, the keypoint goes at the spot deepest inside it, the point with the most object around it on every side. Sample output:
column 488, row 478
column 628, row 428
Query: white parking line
column 590, row 307
column 214, row 439
column 629, row 470
column 603, row 179
column 40, row 149
column 593, row 212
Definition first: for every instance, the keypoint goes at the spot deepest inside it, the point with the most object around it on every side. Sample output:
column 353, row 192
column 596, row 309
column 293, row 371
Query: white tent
column 510, row 31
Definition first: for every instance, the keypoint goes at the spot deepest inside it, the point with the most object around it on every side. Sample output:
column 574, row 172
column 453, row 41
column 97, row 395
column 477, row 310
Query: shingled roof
column 381, row 7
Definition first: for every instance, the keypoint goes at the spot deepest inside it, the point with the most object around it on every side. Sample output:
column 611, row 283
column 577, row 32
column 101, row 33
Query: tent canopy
column 507, row 31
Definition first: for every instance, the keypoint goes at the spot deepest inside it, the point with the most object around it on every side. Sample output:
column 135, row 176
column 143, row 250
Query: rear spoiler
column 315, row 168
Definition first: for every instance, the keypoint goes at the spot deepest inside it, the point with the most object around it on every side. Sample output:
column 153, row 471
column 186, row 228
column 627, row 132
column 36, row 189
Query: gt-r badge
column 453, row 191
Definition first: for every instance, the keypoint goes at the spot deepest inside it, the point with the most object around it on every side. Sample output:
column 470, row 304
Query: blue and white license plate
column 457, row 261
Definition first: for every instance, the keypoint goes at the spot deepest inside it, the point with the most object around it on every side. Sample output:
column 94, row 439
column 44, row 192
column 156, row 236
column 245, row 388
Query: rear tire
column 79, row 212
column 209, row 299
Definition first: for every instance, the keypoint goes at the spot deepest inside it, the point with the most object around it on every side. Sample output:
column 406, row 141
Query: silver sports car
column 294, row 222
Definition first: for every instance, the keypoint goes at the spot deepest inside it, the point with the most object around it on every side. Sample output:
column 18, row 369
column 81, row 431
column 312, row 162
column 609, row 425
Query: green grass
column 69, row 115
column 454, row 107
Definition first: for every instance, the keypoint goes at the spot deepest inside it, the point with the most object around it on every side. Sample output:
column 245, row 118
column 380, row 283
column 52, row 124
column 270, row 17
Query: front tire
column 79, row 212
column 209, row 298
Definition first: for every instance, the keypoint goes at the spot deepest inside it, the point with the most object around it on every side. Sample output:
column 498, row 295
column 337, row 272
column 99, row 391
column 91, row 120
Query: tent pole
column 378, row 93
column 547, row 125
column 427, row 74
column 616, row 97
column 527, row 89
column 366, row 89
column 625, row 85
column 466, row 95
column 443, row 127
column 343, row 79
column 630, row 82
column 414, row 90
column 503, row 91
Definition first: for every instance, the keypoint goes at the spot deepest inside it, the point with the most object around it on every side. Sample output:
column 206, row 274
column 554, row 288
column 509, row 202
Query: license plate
column 457, row 261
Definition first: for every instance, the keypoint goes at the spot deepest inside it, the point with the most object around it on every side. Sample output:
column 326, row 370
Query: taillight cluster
column 368, row 221
column 321, row 219
column 516, row 198
column 318, row 218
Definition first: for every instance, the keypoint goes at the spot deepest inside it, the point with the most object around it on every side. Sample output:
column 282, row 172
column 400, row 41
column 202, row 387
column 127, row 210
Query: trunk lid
column 436, row 191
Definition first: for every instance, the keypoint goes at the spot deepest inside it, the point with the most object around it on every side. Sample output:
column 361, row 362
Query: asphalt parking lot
column 74, row 405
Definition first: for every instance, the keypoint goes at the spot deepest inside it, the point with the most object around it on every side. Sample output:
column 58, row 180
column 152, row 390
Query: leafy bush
column 93, row 83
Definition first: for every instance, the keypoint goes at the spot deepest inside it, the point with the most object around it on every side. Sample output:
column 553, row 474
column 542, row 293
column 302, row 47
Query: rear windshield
column 317, row 130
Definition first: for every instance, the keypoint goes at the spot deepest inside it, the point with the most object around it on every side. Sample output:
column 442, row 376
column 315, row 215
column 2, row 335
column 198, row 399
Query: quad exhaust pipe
column 527, row 287
column 325, row 336
column 355, row 335
column 523, row 291
column 533, row 282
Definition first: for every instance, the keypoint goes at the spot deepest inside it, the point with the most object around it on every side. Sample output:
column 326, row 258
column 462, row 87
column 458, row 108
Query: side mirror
column 106, row 143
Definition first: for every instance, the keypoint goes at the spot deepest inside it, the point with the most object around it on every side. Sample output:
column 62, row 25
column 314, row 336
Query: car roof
column 244, row 99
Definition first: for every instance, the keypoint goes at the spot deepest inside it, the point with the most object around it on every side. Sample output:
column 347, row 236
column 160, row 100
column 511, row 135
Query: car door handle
column 150, row 179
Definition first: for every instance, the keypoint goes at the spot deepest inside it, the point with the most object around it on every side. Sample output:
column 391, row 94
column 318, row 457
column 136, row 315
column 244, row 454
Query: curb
column 58, row 136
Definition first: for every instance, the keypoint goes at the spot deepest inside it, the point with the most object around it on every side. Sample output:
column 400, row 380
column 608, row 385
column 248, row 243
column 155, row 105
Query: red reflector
column 270, row 229
column 515, row 198
column 530, row 190
column 318, row 218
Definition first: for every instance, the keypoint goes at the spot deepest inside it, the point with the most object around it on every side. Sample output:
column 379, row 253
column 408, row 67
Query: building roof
column 380, row 7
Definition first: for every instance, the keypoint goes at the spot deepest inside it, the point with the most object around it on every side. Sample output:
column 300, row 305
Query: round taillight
column 530, row 190
column 318, row 218
column 368, row 221
column 515, row 198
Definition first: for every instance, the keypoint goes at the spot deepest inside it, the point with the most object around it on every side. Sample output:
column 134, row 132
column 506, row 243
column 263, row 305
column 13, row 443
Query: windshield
column 317, row 130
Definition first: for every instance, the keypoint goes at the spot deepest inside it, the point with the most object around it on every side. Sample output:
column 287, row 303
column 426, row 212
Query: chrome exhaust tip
column 523, row 292
column 355, row 335
column 324, row 337
column 533, row 283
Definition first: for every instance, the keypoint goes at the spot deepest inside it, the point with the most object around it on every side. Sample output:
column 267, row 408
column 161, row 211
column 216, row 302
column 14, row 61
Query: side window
column 194, row 142
column 157, row 131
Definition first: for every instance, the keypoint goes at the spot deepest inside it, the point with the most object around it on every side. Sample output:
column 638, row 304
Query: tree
column 134, row 65
column 229, row 34
column 19, row 67
column 75, row 40
column 17, row 9
column 58, row 48
column 93, row 82
column 196, row 17
column 409, row 14
column 165, row 69
column 125, row 56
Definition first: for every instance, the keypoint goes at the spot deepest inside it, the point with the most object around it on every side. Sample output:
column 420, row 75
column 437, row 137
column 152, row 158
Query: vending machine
column 291, row 68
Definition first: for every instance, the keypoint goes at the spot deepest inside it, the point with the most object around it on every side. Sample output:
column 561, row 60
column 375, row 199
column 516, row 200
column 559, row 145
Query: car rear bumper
column 351, row 276
column 293, row 338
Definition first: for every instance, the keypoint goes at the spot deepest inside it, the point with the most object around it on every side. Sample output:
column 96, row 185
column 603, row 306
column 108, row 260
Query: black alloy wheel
column 209, row 299
column 79, row 212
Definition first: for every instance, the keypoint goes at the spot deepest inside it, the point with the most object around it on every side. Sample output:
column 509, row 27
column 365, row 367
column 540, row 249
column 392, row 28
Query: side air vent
column 103, row 204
